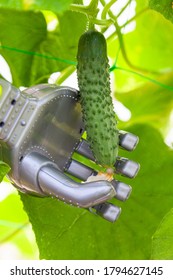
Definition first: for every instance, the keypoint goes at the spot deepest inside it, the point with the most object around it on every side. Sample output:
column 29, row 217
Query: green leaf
column 79, row 26
column 65, row 232
column 52, row 58
column 32, row 52
column 1, row 77
column 140, row 5
column 21, row 33
column 151, row 103
column 162, row 241
column 164, row 7
column 17, row 4
column 14, row 226
column 53, row 5
column 148, row 47
column 59, row 45
column 4, row 169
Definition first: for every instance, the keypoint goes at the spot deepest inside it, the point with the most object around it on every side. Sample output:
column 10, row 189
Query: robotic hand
column 40, row 128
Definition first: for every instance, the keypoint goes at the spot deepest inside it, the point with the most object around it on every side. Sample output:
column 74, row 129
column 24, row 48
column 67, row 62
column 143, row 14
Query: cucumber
column 95, row 97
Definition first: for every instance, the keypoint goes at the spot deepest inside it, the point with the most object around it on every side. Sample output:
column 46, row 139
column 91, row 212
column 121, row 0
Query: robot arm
column 40, row 129
column 44, row 176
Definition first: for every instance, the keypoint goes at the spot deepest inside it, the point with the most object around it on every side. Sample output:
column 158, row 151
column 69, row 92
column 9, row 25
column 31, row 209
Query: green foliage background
column 65, row 232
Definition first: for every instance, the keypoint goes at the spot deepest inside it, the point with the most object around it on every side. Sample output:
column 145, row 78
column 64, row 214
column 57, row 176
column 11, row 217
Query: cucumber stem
column 90, row 10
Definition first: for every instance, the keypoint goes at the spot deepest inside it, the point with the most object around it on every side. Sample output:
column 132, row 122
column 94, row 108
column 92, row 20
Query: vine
column 91, row 11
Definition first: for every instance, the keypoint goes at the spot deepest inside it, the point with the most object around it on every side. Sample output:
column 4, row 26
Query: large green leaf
column 32, row 52
column 151, row 103
column 53, row 5
column 164, row 7
column 60, row 46
column 141, row 5
column 17, row 4
column 65, row 232
column 21, row 31
column 71, row 35
column 54, row 57
column 14, row 226
column 4, row 169
column 148, row 47
column 162, row 241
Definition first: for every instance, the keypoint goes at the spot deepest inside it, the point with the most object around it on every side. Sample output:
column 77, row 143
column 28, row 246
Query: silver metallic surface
column 84, row 149
column 40, row 128
column 126, row 167
column 39, row 175
column 128, row 141
column 108, row 211
column 79, row 170
column 53, row 125
column 123, row 190
column 55, row 183
column 30, row 167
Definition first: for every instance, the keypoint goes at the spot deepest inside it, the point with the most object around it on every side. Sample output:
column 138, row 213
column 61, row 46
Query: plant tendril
column 90, row 11
column 107, row 8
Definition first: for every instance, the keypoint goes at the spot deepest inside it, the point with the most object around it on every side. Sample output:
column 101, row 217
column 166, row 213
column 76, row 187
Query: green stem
column 93, row 6
column 127, row 22
column 103, row 22
column 65, row 74
column 133, row 18
column 122, row 45
column 39, row 80
column 123, row 50
column 79, row 8
column 106, row 8
column 15, row 78
column 122, row 10
column 90, row 10
column 62, row 77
